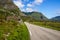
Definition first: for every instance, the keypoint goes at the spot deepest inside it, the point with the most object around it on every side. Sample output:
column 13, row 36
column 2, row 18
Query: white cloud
column 29, row 5
column 29, row 9
column 19, row 3
column 23, row 10
column 37, row 2
column 34, row 3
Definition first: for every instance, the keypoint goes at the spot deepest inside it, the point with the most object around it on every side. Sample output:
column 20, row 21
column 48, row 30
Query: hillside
column 57, row 18
column 8, row 8
column 11, row 24
column 34, row 16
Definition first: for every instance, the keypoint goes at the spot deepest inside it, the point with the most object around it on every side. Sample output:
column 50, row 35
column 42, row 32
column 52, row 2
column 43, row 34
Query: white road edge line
column 30, row 33
column 29, row 30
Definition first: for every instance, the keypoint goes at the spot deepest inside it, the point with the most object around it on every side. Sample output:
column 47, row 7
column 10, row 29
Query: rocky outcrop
column 7, row 4
column 9, row 9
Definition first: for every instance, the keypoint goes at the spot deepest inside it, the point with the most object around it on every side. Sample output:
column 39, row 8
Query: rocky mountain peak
column 7, row 4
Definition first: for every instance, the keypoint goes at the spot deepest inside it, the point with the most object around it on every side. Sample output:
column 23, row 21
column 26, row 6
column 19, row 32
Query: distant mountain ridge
column 37, row 16
column 57, row 18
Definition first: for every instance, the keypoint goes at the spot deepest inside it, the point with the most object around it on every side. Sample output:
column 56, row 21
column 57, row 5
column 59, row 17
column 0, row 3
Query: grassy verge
column 13, row 31
column 52, row 25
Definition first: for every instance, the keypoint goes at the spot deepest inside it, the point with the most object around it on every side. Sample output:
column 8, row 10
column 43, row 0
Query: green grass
column 16, row 31
column 51, row 25
column 11, row 29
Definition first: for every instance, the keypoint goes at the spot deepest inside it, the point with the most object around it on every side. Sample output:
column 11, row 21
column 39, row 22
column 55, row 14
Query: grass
column 51, row 25
column 13, row 31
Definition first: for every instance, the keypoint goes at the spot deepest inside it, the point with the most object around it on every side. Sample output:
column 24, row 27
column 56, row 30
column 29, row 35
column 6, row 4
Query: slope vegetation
column 11, row 24
column 33, row 16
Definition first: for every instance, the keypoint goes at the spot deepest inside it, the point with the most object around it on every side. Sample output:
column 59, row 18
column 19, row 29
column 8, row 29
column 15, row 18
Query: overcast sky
column 50, row 8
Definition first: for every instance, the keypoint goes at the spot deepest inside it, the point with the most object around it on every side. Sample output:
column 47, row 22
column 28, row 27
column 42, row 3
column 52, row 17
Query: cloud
column 29, row 9
column 23, row 10
column 37, row 2
column 19, row 3
column 34, row 3
column 29, row 5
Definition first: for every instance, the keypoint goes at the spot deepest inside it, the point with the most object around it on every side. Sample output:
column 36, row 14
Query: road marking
column 29, row 30
column 30, row 33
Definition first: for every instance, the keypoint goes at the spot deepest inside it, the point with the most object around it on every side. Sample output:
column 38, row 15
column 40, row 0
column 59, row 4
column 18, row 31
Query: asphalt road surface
column 41, row 33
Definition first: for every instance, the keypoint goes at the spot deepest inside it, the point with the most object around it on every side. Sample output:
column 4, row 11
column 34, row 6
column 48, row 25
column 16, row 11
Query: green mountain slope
column 34, row 16
column 11, row 26
column 57, row 18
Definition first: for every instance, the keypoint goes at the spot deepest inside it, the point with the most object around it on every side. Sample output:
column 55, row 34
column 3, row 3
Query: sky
column 49, row 8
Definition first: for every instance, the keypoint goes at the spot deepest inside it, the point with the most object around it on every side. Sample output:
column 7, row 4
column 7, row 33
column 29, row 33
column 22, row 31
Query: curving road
column 40, row 33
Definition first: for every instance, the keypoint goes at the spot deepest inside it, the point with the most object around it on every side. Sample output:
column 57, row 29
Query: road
column 41, row 33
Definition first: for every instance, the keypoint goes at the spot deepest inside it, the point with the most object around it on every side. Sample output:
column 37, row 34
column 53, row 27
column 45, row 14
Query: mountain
column 34, row 16
column 7, row 4
column 11, row 24
column 8, row 10
column 57, row 18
